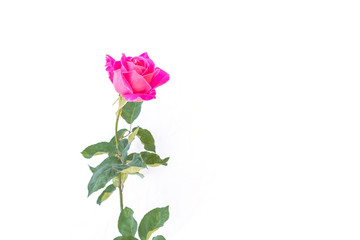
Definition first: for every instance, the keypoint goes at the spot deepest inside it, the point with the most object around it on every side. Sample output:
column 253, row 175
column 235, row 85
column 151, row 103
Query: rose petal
column 117, row 65
column 160, row 78
column 120, row 83
column 140, row 61
column 110, row 66
column 144, row 55
column 137, row 82
column 109, row 63
column 123, row 69
column 150, row 66
column 148, row 77
column 124, row 62
column 137, row 68
column 138, row 97
column 111, row 76
column 140, row 69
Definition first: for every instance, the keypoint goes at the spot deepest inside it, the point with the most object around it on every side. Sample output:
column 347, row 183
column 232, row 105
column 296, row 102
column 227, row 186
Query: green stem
column 117, row 147
column 116, row 129
column 121, row 196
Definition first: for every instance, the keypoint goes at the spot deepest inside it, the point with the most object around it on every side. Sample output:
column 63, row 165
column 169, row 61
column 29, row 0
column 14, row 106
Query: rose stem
column 117, row 147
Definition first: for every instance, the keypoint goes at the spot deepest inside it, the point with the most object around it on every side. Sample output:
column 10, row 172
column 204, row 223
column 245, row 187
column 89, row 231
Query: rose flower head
column 135, row 78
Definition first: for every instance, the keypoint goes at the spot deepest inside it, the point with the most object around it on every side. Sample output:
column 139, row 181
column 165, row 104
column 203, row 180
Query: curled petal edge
column 138, row 97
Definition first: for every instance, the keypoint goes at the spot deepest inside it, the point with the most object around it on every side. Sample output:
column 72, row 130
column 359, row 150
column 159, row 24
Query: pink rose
column 135, row 78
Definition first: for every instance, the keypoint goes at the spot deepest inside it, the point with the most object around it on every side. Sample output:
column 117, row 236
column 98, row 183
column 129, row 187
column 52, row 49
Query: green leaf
column 136, row 164
column 97, row 149
column 125, row 238
column 116, row 180
column 92, row 169
column 146, row 138
column 158, row 238
column 138, row 174
column 124, row 148
column 130, row 157
column 123, row 144
column 137, row 161
column 131, row 111
column 152, row 221
column 127, row 224
column 106, row 194
column 120, row 134
column 133, row 134
column 107, row 161
column 153, row 160
column 107, row 170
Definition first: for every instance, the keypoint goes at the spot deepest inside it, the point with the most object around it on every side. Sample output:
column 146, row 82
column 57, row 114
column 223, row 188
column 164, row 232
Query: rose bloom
column 135, row 78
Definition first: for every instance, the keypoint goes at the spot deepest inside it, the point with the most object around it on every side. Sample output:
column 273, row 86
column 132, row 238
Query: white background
column 260, row 117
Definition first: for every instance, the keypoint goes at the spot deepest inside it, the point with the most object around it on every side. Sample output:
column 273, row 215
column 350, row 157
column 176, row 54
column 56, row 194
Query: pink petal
column 144, row 55
column 160, row 78
column 137, row 68
column 138, row 97
column 117, row 65
column 111, row 76
column 120, row 83
column 140, row 61
column 140, row 69
column 123, row 69
column 109, row 63
column 137, row 82
column 110, row 66
column 148, row 77
column 151, row 65
column 124, row 62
